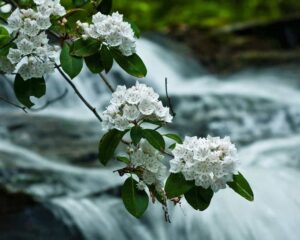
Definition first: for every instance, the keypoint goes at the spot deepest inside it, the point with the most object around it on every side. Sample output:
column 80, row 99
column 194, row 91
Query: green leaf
column 108, row 144
column 123, row 159
column 176, row 185
column 135, row 28
column 4, row 36
column 85, row 48
column 154, row 138
column 105, row 7
column 133, row 64
column 172, row 146
column 94, row 63
column 70, row 64
column 242, row 187
column 136, row 134
column 199, row 198
column 174, row 137
column 35, row 87
column 135, row 201
column 107, row 59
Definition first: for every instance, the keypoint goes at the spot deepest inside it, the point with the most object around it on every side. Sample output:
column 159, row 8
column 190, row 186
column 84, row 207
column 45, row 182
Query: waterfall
column 258, row 108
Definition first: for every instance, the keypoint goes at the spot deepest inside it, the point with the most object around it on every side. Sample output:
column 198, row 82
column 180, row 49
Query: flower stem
column 89, row 106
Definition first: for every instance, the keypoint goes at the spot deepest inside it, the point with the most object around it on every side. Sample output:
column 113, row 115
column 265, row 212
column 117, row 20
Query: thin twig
column 169, row 99
column 93, row 109
column 105, row 80
column 51, row 101
column 13, row 104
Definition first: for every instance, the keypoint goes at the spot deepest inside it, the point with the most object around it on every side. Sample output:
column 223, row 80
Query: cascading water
column 259, row 109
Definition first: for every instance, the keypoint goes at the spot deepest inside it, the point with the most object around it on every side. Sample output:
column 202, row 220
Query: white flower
column 15, row 21
column 50, row 7
column 121, row 123
column 14, row 55
column 150, row 160
column 129, row 106
column 43, row 22
column 112, row 30
column 25, row 46
column 30, row 28
column 146, row 106
column 210, row 162
column 33, row 56
column 133, row 96
column 131, row 112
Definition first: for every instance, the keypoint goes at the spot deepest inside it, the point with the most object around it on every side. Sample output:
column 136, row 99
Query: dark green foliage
column 135, row 201
column 105, row 6
column 159, row 14
column 242, row 187
column 133, row 64
column 154, row 138
column 176, row 185
column 123, row 159
column 4, row 36
column 108, row 144
column 107, row 59
column 94, row 63
column 136, row 134
column 85, row 48
column 199, row 198
column 24, row 89
column 174, row 137
column 70, row 64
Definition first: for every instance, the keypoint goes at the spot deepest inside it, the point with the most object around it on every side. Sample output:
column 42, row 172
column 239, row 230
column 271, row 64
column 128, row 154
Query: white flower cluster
column 112, row 30
column 210, row 161
column 150, row 160
column 33, row 56
column 139, row 102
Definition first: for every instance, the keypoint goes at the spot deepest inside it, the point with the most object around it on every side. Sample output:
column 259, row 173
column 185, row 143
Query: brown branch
column 169, row 99
column 51, row 101
column 13, row 104
column 105, row 80
column 93, row 109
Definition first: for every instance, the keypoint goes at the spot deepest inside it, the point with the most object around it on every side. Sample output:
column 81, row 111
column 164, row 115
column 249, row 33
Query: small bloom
column 146, row 107
column 112, row 30
column 210, row 162
column 128, row 106
column 14, row 55
column 31, row 28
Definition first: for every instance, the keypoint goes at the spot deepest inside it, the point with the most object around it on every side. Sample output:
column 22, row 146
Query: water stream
column 258, row 108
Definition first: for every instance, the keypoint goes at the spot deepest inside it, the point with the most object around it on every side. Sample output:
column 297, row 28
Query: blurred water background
column 241, row 80
column 53, row 187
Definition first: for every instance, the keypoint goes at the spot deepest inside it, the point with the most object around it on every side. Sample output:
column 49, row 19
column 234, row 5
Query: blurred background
column 233, row 70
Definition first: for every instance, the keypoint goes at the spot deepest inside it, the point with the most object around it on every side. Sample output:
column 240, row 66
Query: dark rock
column 234, row 47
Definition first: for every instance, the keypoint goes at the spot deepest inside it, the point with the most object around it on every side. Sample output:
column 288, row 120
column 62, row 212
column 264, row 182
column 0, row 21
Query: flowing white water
column 259, row 109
